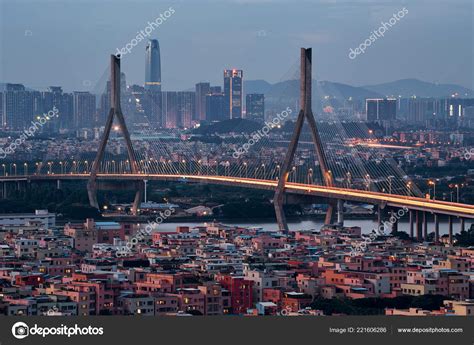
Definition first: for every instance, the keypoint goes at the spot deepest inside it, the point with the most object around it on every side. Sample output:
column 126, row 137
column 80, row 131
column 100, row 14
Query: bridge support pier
column 394, row 221
column 280, row 213
column 380, row 215
column 436, row 221
column 462, row 223
column 450, row 229
column 411, row 224
column 418, row 226
column 58, row 184
column 425, row 226
column 138, row 199
column 340, row 212
column 92, row 194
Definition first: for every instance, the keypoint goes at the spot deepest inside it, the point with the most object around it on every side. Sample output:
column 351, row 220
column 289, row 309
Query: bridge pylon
column 115, row 112
column 305, row 113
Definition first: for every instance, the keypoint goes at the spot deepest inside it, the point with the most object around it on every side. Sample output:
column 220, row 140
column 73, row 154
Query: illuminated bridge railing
column 303, row 173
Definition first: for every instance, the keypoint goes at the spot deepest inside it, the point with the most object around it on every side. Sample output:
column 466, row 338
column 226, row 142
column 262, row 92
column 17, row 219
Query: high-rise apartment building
column 84, row 109
column 425, row 109
column 255, row 107
column 455, row 106
column 381, row 109
column 19, row 107
column 54, row 97
column 202, row 90
column 186, row 102
column 170, row 117
column 215, row 105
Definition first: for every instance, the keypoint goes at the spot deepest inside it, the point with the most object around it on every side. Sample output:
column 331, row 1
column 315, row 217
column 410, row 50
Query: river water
column 367, row 225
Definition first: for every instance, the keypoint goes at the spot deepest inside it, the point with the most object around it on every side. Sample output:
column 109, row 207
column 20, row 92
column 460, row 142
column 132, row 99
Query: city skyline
column 191, row 158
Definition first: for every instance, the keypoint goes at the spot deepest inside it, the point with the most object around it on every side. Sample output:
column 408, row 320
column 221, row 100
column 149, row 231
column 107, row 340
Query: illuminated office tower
column 153, row 66
column 255, row 107
column 233, row 93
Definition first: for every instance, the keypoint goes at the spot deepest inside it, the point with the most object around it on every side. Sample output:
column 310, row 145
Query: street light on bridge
column 433, row 183
column 368, row 181
column 293, row 171
column 409, row 185
column 349, row 179
column 390, row 184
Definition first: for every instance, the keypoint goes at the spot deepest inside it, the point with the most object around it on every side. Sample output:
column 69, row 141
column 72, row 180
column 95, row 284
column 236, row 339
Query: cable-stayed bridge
column 332, row 162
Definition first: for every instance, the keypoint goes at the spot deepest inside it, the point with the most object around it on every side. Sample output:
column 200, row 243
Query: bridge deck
column 413, row 203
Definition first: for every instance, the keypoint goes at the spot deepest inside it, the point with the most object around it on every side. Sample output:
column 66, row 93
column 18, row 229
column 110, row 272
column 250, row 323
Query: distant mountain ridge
column 324, row 93
column 403, row 87
column 287, row 90
column 414, row 87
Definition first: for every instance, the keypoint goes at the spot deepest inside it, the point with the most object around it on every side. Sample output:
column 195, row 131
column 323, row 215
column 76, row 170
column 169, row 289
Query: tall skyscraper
column 233, row 93
column 202, row 90
column 104, row 104
column 153, row 106
column 84, row 109
column 255, row 107
column 54, row 97
column 425, row 109
column 186, row 101
column 1, row 108
column 170, row 109
column 379, row 109
column 215, row 107
column 153, row 66
column 455, row 107
column 18, row 107
column 66, row 114
column 134, row 104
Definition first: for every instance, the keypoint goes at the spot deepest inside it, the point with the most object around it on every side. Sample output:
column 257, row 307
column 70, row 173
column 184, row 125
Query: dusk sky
column 68, row 43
